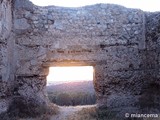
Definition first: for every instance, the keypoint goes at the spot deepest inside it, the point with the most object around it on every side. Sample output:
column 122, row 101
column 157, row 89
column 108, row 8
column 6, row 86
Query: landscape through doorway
column 71, row 86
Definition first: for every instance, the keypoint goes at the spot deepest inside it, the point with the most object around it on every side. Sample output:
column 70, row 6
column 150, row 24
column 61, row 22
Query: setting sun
column 69, row 74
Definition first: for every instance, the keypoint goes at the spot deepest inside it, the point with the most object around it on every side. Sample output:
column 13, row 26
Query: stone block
column 21, row 24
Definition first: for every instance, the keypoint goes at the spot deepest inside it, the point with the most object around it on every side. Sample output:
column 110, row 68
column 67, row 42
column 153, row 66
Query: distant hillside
column 72, row 87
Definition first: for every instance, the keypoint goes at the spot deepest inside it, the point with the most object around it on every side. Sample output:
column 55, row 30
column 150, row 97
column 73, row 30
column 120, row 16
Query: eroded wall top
column 95, row 21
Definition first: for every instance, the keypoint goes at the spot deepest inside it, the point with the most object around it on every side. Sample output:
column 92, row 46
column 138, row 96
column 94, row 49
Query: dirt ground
column 67, row 113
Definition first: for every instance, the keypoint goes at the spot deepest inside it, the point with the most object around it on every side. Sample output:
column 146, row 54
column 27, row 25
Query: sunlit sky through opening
column 59, row 75
column 146, row 5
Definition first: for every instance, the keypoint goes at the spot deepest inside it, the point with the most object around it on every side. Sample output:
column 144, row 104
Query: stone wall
column 152, row 62
column 5, row 53
column 109, row 37
column 122, row 44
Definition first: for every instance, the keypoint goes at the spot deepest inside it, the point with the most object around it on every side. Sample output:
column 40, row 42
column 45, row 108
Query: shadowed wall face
column 122, row 44
column 5, row 54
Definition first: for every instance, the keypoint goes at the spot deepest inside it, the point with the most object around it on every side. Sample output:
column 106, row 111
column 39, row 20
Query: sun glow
column 69, row 74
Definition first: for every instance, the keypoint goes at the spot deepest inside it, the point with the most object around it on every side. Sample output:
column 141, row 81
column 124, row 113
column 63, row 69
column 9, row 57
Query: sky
column 59, row 75
column 146, row 5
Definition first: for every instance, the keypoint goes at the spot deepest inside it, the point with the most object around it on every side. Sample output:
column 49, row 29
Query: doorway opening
column 71, row 86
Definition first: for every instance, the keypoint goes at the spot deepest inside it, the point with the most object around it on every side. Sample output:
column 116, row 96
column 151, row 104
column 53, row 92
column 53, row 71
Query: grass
column 46, row 113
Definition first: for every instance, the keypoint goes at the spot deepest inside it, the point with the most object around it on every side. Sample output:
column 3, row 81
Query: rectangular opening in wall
column 71, row 85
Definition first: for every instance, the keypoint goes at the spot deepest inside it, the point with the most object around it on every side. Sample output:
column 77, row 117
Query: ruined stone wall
column 109, row 36
column 5, row 53
column 116, row 40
